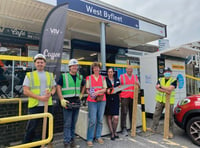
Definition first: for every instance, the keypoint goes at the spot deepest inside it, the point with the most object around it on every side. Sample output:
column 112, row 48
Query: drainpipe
column 103, row 45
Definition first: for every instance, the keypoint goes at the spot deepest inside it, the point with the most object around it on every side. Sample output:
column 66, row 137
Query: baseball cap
column 167, row 69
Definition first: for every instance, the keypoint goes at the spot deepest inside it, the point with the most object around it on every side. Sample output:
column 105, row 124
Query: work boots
column 124, row 132
column 151, row 130
column 170, row 135
column 67, row 145
column 73, row 143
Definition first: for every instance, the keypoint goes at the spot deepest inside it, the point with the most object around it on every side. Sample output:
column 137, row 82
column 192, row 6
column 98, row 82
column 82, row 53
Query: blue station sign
column 94, row 10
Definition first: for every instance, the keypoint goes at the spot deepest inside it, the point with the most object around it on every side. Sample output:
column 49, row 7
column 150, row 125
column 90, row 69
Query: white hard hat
column 39, row 56
column 73, row 62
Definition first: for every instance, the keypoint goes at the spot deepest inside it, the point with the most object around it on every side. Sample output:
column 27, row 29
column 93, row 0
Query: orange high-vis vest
column 97, row 85
column 128, row 92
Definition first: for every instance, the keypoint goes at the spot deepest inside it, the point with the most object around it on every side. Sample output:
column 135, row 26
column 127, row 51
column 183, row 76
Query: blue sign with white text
column 94, row 10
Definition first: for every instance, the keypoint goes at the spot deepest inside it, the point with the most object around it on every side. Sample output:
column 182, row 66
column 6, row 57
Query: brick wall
column 14, row 132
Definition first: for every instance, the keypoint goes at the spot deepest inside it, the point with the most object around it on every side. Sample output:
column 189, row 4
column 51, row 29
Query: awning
column 29, row 15
column 181, row 51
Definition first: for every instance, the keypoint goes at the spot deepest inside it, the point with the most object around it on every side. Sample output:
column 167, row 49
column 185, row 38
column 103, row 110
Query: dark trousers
column 126, row 106
column 157, row 114
column 32, row 124
column 70, row 117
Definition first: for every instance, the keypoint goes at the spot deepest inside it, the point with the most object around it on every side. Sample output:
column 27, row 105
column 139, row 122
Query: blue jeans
column 70, row 117
column 95, row 115
column 32, row 124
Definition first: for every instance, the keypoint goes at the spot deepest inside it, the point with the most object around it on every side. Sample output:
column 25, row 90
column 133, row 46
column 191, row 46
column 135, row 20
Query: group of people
column 101, row 99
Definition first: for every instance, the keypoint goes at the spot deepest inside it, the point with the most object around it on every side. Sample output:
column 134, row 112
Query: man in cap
column 165, row 85
column 39, row 86
column 69, row 92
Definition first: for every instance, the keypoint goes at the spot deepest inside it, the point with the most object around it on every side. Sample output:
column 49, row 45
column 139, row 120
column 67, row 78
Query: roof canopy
column 181, row 51
column 29, row 15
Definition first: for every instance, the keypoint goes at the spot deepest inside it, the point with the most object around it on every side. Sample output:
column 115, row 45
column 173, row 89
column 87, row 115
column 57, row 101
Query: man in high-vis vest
column 127, row 97
column 165, row 85
column 39, row 86
column 69, row 91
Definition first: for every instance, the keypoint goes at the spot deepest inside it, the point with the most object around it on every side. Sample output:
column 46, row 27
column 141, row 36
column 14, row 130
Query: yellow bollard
column 144, row 126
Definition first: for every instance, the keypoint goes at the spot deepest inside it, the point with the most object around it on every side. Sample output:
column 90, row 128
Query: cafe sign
column 14, row 32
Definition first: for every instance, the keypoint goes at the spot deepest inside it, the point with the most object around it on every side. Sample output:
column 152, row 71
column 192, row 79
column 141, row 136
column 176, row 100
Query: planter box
column 82, row 123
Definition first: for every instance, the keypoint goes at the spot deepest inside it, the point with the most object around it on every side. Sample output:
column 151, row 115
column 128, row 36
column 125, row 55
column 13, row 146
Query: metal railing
column 193, row 85
column 28, row 117
column 14, row 100
column 30, row 59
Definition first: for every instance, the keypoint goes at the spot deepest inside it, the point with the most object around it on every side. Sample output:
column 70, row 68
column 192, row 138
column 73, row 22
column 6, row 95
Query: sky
column 182, row 17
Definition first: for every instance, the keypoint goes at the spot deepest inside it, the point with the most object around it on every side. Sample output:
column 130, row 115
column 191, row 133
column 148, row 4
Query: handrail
column 28, row 117
column 16, row 58
column 191, row 77
column 30, row 59
column 192, row 85
column 14, row 100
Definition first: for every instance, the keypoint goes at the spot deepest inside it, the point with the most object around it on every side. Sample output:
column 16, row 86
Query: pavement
column 141, row 140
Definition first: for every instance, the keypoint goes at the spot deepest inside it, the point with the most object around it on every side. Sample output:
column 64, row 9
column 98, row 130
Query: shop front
column 95, row 31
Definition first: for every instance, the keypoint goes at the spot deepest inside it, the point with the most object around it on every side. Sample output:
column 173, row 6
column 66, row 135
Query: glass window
column 85, row 55
column 65, row 56
column 32, row 51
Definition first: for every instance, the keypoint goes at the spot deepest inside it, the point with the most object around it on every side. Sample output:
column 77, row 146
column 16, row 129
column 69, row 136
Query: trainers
column 90, row 144
column 100, row 141
column 124, row 132
column 170, row 135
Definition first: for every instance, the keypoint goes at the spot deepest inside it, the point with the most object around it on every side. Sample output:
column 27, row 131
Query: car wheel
column 193, row 130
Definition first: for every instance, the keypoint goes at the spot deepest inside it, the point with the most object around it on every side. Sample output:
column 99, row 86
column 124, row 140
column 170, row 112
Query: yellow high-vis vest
column 160, row 96
column 35, row 87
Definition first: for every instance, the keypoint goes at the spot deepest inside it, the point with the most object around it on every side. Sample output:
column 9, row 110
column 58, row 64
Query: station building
column 126, row 35
column 21, row 23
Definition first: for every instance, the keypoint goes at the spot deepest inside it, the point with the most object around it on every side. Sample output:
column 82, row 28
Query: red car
column 187, row 117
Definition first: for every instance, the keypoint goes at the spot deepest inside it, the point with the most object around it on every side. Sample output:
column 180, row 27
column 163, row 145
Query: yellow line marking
column 154, row 142
column 184, row 146
column 169, row 142
column 133, row 140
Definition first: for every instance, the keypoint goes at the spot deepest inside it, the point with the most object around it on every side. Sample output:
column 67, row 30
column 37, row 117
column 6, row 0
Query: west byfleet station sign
column 101, row 12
